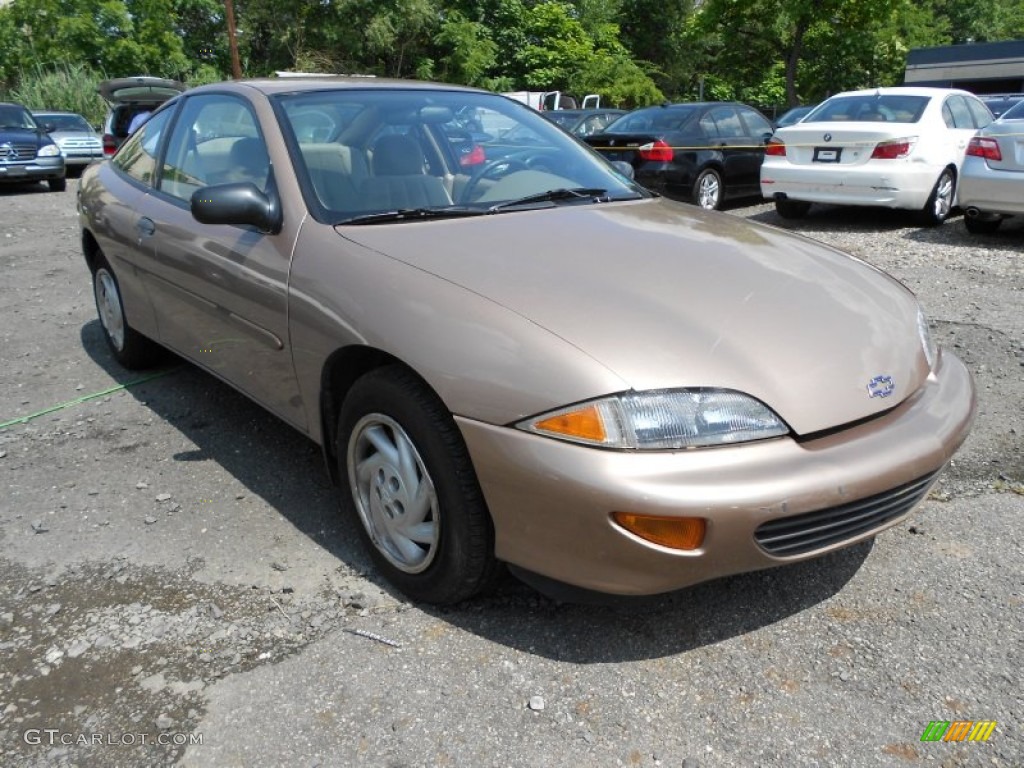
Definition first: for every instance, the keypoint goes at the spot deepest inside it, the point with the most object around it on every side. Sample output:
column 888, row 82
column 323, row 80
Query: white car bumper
column 903, row 186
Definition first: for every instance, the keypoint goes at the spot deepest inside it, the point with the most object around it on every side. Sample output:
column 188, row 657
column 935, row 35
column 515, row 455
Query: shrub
column 64, row 87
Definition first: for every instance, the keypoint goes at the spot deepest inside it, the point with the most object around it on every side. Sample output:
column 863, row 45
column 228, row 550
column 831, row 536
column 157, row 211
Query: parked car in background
column 792, row 116
column 27, row 153
column 532, row 360
column 890, row 147
column 127, row 98
column 584, row 122
column 992, row 178
column 703, row 152
column 998, row 104
column 78, row 142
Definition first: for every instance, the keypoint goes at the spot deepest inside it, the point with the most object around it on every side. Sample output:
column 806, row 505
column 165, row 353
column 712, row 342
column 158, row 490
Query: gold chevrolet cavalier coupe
column 509, row 351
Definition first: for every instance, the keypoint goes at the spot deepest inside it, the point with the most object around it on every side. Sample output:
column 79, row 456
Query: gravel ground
column 175, row 585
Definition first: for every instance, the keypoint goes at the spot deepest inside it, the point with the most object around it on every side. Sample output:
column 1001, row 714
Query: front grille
column 797, row 535
column 21, row 152
column 81, row 144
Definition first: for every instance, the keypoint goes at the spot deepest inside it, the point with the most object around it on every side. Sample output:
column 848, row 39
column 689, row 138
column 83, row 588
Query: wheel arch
column 340, row 371
column 91, row 250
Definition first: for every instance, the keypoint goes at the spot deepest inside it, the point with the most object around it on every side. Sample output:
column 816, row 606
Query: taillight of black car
column 656, row 151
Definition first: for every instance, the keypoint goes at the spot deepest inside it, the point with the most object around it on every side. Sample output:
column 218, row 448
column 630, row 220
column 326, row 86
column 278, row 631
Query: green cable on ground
column 84, row 398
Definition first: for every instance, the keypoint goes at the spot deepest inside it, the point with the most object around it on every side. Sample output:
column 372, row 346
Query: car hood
column 668, row 296
column 22, row 135
column 150, row 90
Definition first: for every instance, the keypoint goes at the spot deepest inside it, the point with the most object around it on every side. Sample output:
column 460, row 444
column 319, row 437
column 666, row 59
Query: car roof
column 903, row 91
column 272, row 86
column 53, row 112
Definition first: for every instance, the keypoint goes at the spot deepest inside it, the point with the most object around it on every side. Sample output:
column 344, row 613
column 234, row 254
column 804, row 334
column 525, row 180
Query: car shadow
column 861, row 219
column 849, row 218
column 285, row 469
column 271, row 459
column 9, row 189
column 633, row 629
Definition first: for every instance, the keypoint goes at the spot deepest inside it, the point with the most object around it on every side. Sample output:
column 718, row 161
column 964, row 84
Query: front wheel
column 707, row 190
column 57, row 185
column 940, row 201
column 407, row 477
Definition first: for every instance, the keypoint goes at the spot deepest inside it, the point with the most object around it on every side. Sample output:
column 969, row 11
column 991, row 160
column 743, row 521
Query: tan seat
column 337, row 171
column 400, row 177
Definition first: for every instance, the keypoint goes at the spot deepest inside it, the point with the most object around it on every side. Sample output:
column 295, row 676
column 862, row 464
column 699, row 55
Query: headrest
column 397, row 155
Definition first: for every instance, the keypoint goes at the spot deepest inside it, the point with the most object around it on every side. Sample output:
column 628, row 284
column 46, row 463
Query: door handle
column 145, row 227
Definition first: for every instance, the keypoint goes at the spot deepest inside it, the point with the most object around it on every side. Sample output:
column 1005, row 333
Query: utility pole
column 236, row 66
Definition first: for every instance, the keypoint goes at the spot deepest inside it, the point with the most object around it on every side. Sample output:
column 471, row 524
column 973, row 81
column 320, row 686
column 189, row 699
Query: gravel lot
column 175, row 585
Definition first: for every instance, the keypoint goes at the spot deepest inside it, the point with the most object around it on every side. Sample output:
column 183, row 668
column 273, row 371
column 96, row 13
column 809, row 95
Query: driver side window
column 215, row 141
column 137, row 157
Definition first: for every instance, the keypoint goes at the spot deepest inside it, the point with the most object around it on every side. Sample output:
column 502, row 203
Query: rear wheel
column 407, row 478
column 707, row 190
column 940, row 201
column 791, row 209
column 977, row 226
column 131, row 348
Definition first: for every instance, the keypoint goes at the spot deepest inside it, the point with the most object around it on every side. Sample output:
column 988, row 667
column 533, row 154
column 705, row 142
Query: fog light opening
column 682, row 533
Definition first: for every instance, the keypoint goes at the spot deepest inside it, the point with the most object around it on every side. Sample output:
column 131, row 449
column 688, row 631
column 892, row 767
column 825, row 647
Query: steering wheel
column 492, row 171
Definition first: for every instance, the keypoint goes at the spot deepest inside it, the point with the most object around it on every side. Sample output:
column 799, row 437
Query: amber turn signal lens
column 685, row 533
column 583, row 424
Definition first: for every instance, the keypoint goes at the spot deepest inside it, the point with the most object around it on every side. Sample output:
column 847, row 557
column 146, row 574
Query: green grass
column 65, row 88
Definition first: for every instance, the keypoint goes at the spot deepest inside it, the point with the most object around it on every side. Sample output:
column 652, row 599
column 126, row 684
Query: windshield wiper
column 412, row 214
column 594, row 194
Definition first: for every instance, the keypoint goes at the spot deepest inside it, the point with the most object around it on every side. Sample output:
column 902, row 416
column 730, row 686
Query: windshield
column 652, row 120
column 15, row 117
column 1016, row 112
column 366, row 151
column 74, row 123
column 870, row 108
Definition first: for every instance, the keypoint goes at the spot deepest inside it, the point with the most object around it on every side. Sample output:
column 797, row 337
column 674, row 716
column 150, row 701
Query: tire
column 131, row 349
column 940, row 201
column 791, row 209
column 707, row 190
column 406, row 477
column 57, row 185
column 977, row 226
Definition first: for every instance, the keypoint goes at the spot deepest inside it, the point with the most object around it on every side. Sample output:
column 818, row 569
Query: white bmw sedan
column 887, row 147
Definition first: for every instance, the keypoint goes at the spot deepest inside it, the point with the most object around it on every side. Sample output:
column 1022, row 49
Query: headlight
column 931, row 349
column 50, row 150
column 660, row 420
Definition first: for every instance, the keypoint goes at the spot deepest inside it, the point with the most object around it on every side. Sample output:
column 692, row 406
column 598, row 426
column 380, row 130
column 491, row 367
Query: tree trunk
column 792, row 60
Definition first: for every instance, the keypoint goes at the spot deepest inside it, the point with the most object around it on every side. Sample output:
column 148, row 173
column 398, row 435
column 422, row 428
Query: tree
column 468, row 52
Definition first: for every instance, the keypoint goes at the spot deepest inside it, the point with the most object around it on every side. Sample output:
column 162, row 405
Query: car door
column 220, row 291
column 741, row 162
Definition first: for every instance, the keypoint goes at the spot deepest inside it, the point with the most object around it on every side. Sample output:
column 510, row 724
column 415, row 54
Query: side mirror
column 240, row 203
column 624, row 168
column 49, row 127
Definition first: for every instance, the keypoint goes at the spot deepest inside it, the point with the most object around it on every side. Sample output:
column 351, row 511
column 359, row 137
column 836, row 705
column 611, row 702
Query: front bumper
column 79, row 158
column 39, row 169
column 901, row 185
column 551, row 501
